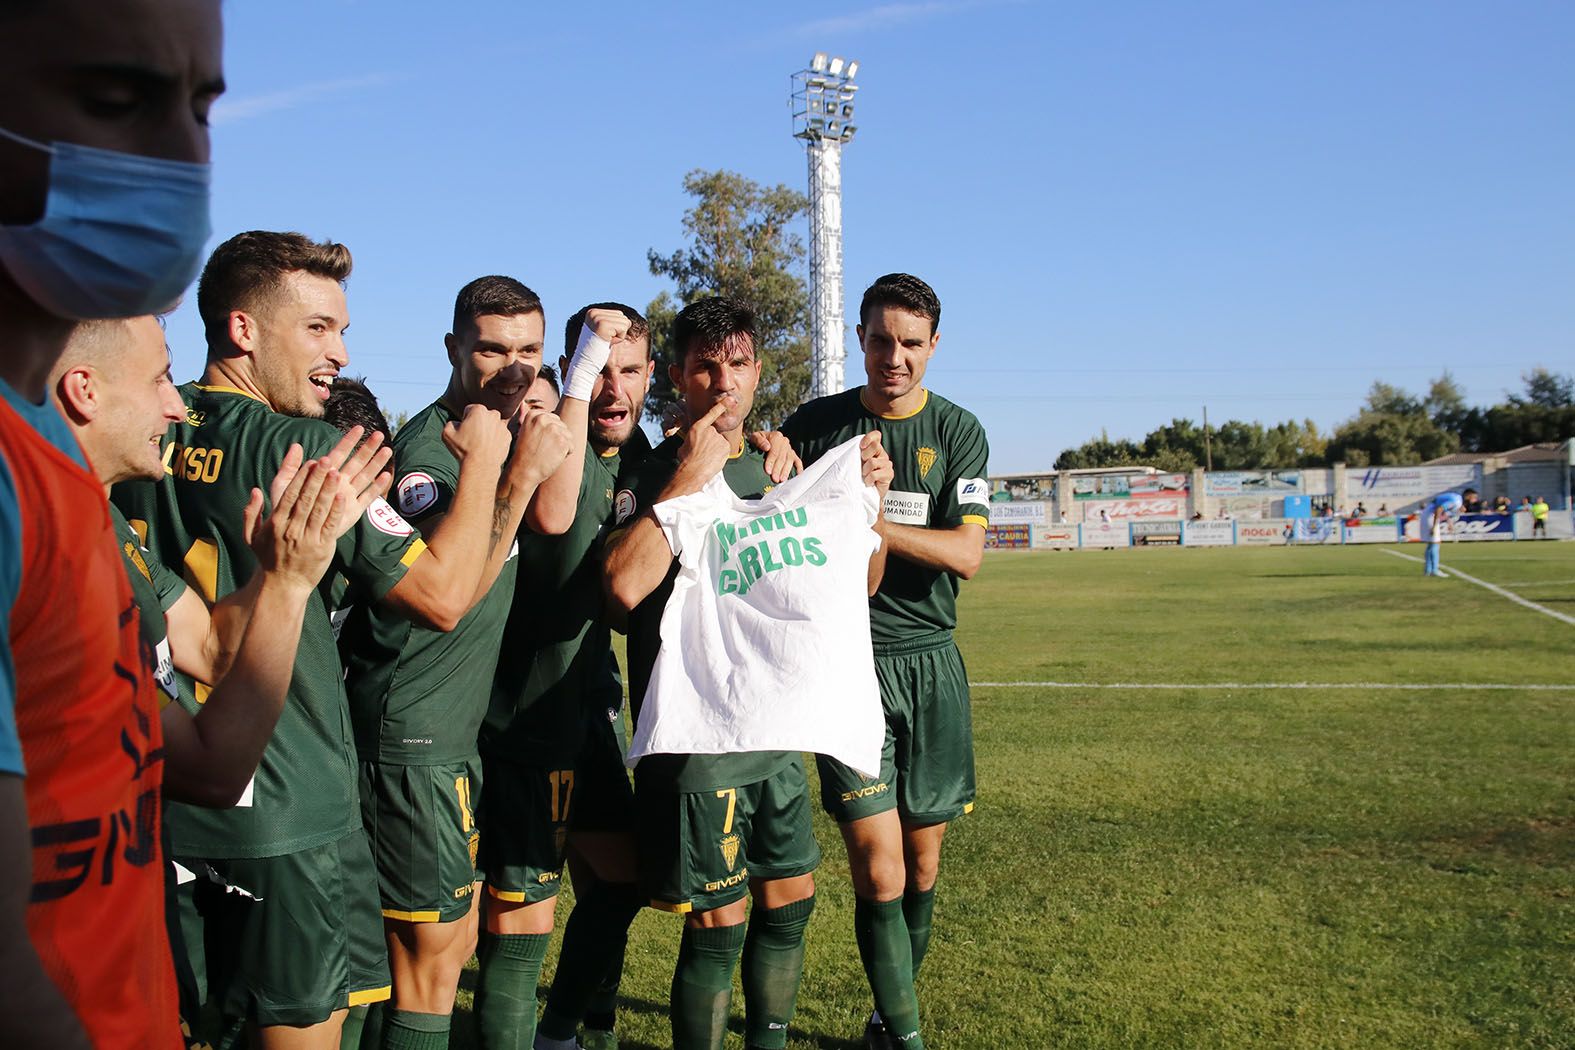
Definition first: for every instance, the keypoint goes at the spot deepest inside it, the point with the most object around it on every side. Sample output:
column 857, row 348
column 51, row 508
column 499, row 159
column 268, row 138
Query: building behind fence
column 1134, row 506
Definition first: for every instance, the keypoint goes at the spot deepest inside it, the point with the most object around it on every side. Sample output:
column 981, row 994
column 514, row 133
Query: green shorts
column 302, row 938
column 699, row 849
column 603, row 795
column 926, row 763
column 421, row 821
column 524, row 823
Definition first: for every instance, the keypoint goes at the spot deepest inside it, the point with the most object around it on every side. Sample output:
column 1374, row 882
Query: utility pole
column 1208, row 449
column 823, row 118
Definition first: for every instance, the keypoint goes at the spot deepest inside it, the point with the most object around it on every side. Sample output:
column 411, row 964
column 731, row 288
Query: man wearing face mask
column 417, row 695
column 100, row 217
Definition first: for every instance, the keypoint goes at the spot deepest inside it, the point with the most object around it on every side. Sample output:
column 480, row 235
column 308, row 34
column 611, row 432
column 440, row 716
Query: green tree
column 1393, row 427
column 739, row 244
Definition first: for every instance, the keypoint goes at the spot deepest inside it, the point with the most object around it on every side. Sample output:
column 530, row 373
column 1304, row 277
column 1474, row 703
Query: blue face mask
column 122, row 235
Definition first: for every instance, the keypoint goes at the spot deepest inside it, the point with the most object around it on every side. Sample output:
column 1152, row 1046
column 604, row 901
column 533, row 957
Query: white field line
column 1405, row 686
column 1496, row 589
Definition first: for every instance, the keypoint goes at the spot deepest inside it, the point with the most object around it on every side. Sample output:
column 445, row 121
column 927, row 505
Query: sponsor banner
column 1154, row 507
column 1054, row 537
column 1104, row 534
column 1251, row 482
column 1371, row 530
column 1148, row 532
column 1008, row 537
column 1114, row 486
column 1209, row 534
column 1270, row 532
column 1151, row 485
column 1013, row 513
column 1466, row 527
column 1398, row 486
column 1317, row 530
column 1560, row 524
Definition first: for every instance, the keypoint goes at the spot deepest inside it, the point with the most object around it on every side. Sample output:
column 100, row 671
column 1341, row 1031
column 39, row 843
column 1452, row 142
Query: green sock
column 506, row 989
column 773, row 964
column 887, row 953
column 408, row 1030
column 917, row 907
column 354, row 1026
column 703, row 986
column 593, row 941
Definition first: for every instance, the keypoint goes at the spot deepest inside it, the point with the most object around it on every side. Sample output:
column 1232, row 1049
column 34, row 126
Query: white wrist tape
column 590, row 357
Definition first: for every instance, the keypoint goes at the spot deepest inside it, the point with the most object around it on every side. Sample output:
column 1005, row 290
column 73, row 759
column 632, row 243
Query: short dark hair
column 551, row 377
column 638, row 325
column 503, row 296
column 905, row 292
column 247, row 269
column 709, row 325
column 351, row 404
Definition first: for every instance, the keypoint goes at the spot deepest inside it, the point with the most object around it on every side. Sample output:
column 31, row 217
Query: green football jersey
column 938, row 457
column 556, row 663
column 304, row 792
column 638, row 488
column 417, row 695
column 155, row 589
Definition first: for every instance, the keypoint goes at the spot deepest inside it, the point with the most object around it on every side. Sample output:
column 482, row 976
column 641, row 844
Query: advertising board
column 1016, row 513
column 1151, row 533
column 1270, row 532
column 1398, row 486
column 1008, row 537
column 1104, row 534
column 1109, row 486
column 1054, row 537
column 1465, row 528
column 1371, row 530
column 1209, row 534
column 1124, row 510
column 1150, row 486
column 1251, row 482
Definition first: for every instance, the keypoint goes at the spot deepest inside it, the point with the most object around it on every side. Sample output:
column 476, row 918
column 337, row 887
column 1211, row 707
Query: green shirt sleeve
column 965, row 498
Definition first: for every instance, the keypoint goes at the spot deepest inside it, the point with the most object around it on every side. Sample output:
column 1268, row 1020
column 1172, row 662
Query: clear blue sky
column 1128, row 210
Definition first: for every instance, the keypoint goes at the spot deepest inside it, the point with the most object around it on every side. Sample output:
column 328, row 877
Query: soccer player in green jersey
column 714, row 830
column 304, row 941
column 936, row 513
column 556, row 784
column 417, row 694
column 113, row 388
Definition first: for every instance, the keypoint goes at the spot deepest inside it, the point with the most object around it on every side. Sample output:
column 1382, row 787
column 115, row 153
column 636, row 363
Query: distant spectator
column 1501, row 505
column 1223, row 515
column 1383, row 509
column 1539, row 518
column 1198, row 516
column 1104, row 514
column 1470, row 502
column 1360, row 511
column 1525, row 503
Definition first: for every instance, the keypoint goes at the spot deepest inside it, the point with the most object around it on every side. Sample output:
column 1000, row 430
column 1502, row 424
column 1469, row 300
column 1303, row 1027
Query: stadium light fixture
column 823, row 101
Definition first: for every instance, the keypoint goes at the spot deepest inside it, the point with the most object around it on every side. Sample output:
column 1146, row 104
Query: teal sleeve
column 10, row 584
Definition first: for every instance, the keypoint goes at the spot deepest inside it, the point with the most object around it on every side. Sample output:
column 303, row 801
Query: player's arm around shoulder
column 638, row 553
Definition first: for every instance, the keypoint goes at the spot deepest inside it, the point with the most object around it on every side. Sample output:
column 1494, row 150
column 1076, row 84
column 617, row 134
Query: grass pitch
column 1237, row 865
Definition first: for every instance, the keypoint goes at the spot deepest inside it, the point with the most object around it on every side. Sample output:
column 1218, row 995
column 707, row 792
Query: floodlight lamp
column 847, row 111
column 836, row 67
column 818, row 63
column 815, row 84
column 833, row 128
column 853, row 70
column 847, row 132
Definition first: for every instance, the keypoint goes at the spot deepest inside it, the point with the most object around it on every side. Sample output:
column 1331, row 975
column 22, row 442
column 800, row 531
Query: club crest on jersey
column 417, row 491
column 386, row 519
column 730, row 850
column 926, row 457
column 623, row 506
column 196, row 418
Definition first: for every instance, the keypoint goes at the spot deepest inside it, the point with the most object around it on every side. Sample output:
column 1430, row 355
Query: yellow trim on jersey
column 976, row 519
column 368, row 996
column 743, row 446
column 417, row 549
column 967, row 807
column 906, row 415
column 223, row 389
column 683, row 908
column 610, row 453
column 412, row 916
column 513, row 896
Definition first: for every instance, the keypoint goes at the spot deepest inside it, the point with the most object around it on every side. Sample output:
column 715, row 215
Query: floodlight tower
column 823, row 118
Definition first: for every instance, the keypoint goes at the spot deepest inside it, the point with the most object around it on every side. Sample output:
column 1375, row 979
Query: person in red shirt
column 103, row 213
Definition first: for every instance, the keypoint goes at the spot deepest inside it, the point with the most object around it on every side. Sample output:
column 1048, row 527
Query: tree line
column 1393, row 426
